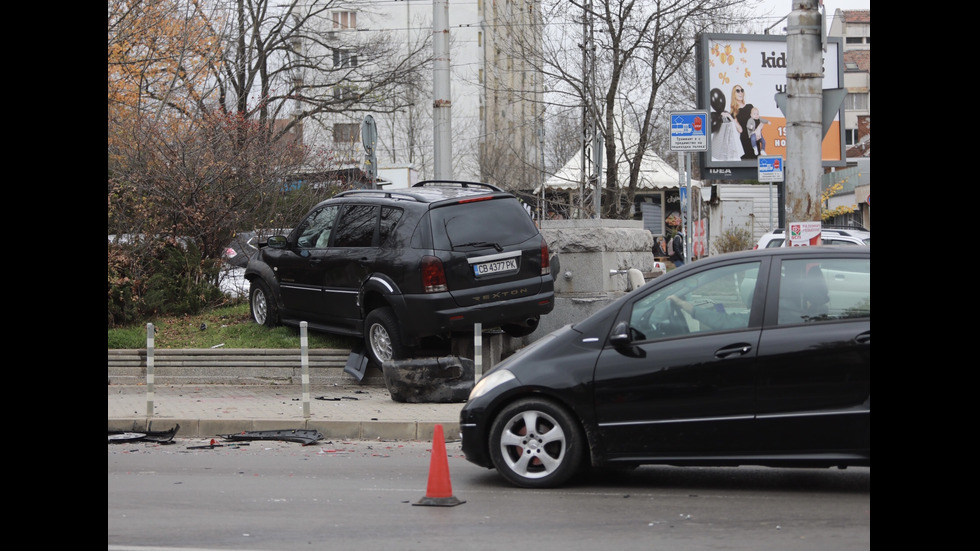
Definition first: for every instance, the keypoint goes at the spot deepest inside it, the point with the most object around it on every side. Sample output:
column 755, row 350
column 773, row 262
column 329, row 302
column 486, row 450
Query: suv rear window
column 462, row 225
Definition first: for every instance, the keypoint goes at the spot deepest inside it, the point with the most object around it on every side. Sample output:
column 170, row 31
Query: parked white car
column 829, row 236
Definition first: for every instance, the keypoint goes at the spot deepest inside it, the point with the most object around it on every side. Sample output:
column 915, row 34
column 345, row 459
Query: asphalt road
column 362, row 495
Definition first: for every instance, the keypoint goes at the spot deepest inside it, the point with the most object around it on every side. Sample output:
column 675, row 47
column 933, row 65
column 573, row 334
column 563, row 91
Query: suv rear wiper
column 481, row 244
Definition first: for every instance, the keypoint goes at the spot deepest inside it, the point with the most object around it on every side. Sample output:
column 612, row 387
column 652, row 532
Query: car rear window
column 471, row 225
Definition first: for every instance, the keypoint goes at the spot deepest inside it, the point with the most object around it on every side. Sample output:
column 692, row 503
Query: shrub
column 183, row 281
column 734, row 239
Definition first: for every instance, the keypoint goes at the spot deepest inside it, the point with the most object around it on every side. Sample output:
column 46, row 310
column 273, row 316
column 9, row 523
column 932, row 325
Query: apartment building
column 496, row 93
column 854, row 26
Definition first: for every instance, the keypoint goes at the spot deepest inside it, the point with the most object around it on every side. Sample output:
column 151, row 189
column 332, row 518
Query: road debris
column 160, row 436
column 302, row 436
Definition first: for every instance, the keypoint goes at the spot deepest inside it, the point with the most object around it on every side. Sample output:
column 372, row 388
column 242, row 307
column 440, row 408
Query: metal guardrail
column 233, row 366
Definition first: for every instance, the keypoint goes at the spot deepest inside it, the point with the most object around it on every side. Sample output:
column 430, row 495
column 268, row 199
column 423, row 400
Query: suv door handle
column 739, row 349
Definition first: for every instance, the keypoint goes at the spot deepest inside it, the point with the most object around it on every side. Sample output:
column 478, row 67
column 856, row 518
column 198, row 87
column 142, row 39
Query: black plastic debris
column 212, row 445
column 357, row 362
column 302, row 436
column 160, row 436
column 429, row 380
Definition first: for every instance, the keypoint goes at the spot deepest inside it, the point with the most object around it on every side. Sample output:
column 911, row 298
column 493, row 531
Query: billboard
column 738, row 80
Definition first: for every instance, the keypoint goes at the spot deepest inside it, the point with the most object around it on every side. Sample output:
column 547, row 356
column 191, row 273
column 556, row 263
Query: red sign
column 697, row 123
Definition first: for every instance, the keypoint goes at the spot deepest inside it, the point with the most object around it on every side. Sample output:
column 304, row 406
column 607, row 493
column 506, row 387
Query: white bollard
column 305, row 366
column 477, row 351
column 149, row 370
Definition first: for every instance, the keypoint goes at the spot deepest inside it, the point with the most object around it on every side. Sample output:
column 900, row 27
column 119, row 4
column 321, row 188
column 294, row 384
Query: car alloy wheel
column 382, row 336
column 535, row 444
column 263, row 308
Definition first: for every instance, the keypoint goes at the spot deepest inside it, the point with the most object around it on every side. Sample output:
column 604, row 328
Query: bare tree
column 642, row 65
column 207, row 101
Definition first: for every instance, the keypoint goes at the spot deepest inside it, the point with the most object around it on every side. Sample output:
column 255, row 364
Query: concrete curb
column 342, row 430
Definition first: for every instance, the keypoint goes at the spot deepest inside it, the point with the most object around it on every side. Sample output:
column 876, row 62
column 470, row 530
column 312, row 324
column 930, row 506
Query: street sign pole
column 688, row 132
column 771, row 169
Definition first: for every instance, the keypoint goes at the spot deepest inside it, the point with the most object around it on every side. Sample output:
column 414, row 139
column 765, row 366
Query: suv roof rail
column 829, row 227
column 388, row 194
column 459, row 183
column 846, row 227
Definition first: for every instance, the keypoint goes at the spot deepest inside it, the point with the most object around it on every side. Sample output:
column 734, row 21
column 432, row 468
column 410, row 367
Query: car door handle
column 739, row 349
column 863, row 338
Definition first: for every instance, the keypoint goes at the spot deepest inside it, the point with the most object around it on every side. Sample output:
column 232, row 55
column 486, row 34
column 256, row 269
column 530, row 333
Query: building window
column 341, row 92
column 855, row 40
column 344, row 20
column 850, row 136
column 344, row 59
column 856, row 102
column 343, row 132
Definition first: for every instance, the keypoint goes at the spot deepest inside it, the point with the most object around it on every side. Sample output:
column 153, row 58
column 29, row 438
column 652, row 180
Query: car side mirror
column 620, row 336
column 277, row 242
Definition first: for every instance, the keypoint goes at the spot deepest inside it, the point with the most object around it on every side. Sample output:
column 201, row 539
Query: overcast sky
column 779, row 8
column 783, row 7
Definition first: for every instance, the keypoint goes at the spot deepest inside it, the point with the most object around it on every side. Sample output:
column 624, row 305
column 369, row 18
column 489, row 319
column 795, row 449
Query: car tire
column 382, row 337
column 263, row 305
column 543, row 457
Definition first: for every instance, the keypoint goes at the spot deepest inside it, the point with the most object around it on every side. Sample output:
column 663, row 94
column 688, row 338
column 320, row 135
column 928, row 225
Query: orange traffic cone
column 440, row 490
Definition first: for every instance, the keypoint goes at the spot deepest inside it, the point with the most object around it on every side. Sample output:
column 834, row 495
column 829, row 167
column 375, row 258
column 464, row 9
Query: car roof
column 838, row 230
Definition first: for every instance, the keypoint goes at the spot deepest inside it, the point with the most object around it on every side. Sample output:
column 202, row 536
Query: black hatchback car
column 755, row 358
column 399, row 266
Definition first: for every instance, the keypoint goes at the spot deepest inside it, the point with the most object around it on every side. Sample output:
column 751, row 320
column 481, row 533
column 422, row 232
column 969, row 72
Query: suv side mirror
column 277, row 242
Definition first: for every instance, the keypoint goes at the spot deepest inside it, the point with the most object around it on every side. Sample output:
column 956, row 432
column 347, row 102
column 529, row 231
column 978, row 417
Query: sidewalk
column 354, row 412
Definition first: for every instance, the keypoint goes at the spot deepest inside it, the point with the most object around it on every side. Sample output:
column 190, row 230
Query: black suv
column 399, row 266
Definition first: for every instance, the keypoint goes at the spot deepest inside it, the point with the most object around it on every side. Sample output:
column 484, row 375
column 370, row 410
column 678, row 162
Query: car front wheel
column 535, row 443
column 382, row 336
column 263, row 305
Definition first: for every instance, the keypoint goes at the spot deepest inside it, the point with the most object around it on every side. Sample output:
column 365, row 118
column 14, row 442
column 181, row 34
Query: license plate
column 495, row 267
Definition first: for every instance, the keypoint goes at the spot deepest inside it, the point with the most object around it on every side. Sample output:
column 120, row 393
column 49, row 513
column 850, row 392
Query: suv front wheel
column 263, row 305
column 382, row 336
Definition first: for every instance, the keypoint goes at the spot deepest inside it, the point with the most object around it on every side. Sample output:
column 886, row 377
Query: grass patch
column 225, row 327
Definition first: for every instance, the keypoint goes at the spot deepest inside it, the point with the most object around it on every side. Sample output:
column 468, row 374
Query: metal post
column 149, row 370
column 443, row 101
column 305, row 367
column 690, row 199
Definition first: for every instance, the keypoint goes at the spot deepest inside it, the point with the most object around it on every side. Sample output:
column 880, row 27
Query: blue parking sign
column 771, row 169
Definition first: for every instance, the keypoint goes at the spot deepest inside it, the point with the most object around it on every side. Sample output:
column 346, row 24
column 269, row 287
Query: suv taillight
column 433, row 275
column 545, row 262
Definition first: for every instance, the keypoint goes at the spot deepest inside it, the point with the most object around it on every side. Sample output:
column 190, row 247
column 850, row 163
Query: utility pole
column 590, row 132
column 804, row 107
column 442, row 104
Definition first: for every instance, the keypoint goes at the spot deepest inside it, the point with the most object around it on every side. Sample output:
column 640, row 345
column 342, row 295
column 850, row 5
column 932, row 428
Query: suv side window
column 314, row 232
column 358, row 226
column 814, row 290
column 389, row 221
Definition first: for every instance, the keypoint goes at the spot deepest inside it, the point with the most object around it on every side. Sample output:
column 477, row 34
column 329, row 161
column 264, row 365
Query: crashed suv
column 398, row 266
